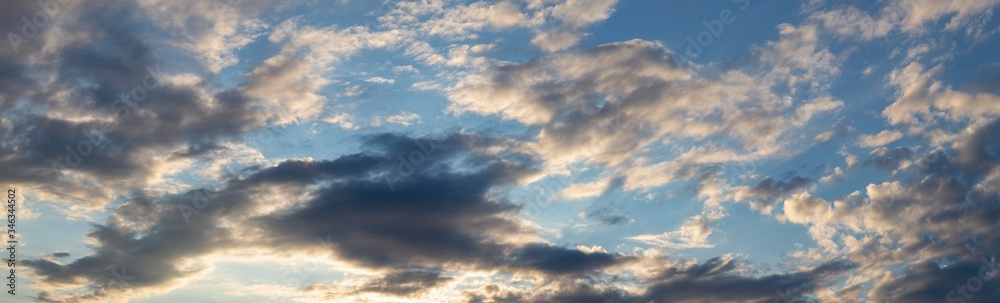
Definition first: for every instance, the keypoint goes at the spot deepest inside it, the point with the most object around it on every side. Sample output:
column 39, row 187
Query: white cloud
column 880, row 139
column 404, row 119
column 380, row 80
column 288, row 83
column 910, row 16
column 426, row 85
column 585, row 190
column 571, row 17
column 504, row 14
column 607, row 105
column 344, row 120
column 402, row 69
column 804, row 208
column 225, row 28
column 851, row 22
column 692, row 234
column 824, row 136
column 922, row 103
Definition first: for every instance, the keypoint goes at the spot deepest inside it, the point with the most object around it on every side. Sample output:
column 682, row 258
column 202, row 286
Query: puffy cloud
column 224, row 26
column 288, row 83
column 366, row 209
column 922, row 100
column 936, row 225
column 852, row 22
column 909, row 16
column 718, row 279
column 504, row 14
column 570, row 17
column 768, row 192
column 118, row 132
column 607, row 104
column 805, row 208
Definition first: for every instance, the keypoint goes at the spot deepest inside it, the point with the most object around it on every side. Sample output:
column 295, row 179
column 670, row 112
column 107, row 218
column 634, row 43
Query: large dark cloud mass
column 89, row 100
column 442, row 217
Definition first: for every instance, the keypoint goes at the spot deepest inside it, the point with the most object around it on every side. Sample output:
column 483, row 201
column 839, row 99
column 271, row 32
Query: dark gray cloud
column 609, row 215
column 405, row 282
column 442, row 215
column 971, row 281
column 945, row 221
column 769, row 191
column 401, row 283
column 440, row 218
column 557, row 260
column 97, row 102
column 890, row 160
column 719, row 279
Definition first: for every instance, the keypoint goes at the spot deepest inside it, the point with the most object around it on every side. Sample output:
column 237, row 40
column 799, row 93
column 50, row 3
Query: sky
column 502, row 151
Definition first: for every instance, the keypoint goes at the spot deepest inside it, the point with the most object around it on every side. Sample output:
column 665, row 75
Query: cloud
column 344, row 120
column 768, row 191
column 380, row 80
column 880, row 139
column 437, row 214
column 402, row 283
column 922, row 103
column 504, row 14
column 118, row 133
column 570, row 18
column 928, row 281
column 609, row 105
column 585, row 190
column 889, row 160
column 852, row 22
column 804, row 208
column 692, row 234
column 228, row 26
column 288, row 83
column 936, row 225
column 912, row 17
column 717, row 279
column 609, row 215
column 404, row 119
column 438, row 219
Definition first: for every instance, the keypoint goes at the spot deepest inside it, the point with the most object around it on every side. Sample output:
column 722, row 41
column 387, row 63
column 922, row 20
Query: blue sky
column 503, row 151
